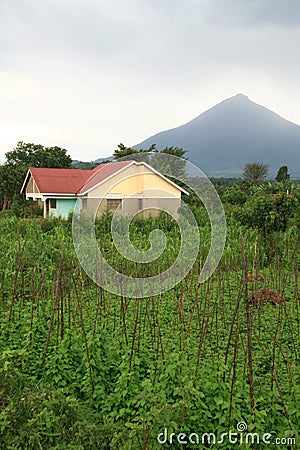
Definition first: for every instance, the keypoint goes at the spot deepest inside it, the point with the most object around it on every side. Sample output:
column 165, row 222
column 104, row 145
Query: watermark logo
column 239, row 437
column 241, row 426
column 139, row 185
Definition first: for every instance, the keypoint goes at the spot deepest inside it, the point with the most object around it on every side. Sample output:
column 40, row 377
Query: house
column 57, row 190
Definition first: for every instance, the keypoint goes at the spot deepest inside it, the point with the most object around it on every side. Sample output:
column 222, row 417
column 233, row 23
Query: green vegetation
column 81, row 368
column 82, row 165
column 255, row 172
column 18, row 161
column 282, row 174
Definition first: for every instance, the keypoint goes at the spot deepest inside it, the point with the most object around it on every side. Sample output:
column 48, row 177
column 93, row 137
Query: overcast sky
column 88, row 74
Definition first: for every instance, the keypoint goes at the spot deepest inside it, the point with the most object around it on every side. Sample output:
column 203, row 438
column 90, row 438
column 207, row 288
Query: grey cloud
column 90, row 27
column 143, row 33
column 141, row 52
column 281, row 13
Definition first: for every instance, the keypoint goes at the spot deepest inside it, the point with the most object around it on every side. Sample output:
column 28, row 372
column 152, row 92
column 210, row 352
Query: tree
column 255, row 172
column 123, row 151
column 176, row 151
column 10, row 182
column 267, row 212
column 282, row 174
column 18, row 161
column 175, row 167
column 36, row 155
column 82, row 165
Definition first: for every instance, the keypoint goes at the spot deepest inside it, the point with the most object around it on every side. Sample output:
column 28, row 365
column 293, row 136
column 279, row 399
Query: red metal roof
column 59, row 181
column 73, row 181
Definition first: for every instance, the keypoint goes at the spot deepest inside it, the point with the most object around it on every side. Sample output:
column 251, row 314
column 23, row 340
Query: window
column 53, row 203
column 113, row 203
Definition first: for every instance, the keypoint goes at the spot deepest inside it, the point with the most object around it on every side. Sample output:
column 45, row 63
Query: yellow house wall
column 102, row 207
column 135, row 180
column 155, row 185
column 95, row 205
column 150, row 206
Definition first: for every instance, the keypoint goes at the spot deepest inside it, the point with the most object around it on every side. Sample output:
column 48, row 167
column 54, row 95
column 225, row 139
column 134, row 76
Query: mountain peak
column 239, row 97
column 236, row 131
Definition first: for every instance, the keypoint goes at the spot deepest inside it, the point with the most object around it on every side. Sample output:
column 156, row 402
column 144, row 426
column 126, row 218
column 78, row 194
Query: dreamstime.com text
column 239, row 437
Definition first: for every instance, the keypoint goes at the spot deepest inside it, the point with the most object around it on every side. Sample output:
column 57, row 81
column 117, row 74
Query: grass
column 81, row 368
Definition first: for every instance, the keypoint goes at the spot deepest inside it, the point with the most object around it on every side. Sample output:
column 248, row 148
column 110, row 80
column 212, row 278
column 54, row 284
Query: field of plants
column 81, row 368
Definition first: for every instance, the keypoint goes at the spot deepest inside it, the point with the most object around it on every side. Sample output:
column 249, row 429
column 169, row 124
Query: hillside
column 236, row 131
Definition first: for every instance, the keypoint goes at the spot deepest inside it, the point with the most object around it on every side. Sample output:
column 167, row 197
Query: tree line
column 19, row 160
column 26, row 155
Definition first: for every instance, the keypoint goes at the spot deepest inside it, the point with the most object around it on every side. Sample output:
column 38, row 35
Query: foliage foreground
column 83, row 369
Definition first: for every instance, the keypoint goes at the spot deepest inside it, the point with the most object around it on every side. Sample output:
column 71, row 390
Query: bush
column 25, row 208
column 235, row 196
column 268, row 212
column 6, row 214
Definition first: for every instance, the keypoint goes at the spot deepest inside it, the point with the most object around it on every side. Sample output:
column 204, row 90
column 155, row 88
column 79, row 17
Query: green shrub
column 6, row 214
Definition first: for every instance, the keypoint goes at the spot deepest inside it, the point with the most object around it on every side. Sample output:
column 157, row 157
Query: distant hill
column 104, row 160
column 234, row 132
column 83, row 165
